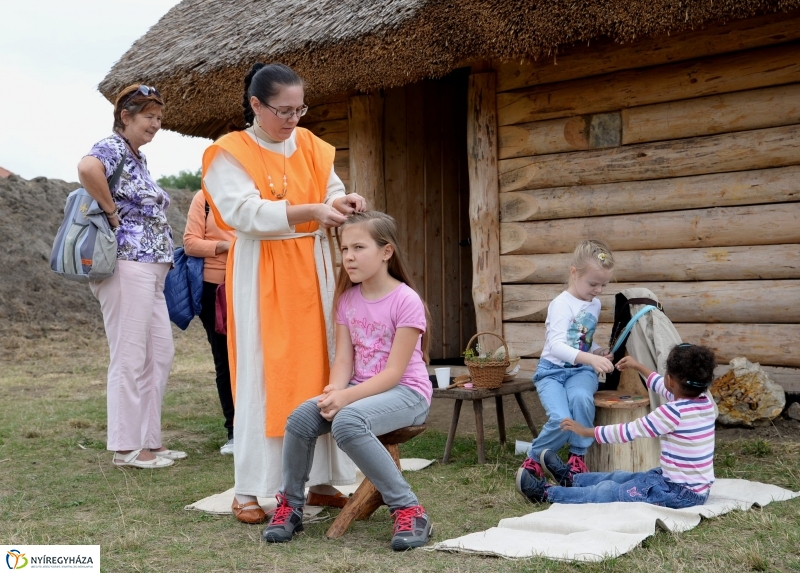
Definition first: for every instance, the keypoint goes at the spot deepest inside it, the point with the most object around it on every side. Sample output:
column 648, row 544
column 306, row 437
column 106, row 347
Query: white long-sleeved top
column 569, row 328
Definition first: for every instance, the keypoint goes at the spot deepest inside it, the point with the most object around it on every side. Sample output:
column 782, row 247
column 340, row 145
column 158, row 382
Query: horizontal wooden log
column 742, row 151
column 760, row 301
column 610, row 92
column 581, row 61
column 769, row 344
column 560, row 135
column 341, row 164
column 778, row 185
column 705, row 264
column 721, row 227
column 335, row 132
column 325, row 112
column 739, row 111
column 787, row 378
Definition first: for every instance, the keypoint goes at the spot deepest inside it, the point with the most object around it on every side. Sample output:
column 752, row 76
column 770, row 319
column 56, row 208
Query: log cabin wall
column 405, row 151
column 683, row 154
column 328, row 121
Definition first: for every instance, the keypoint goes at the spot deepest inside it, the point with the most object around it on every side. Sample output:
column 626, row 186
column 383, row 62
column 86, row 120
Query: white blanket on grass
column 220, row 503
column 598, row 531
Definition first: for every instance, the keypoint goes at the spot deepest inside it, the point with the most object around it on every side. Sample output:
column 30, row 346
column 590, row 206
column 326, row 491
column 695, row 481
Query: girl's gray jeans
column 354, row 428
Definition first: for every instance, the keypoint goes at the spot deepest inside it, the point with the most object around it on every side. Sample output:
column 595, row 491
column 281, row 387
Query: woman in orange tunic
column 274, row 184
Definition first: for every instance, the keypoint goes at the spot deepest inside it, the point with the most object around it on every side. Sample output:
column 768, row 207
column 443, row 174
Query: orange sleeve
column 194, row 237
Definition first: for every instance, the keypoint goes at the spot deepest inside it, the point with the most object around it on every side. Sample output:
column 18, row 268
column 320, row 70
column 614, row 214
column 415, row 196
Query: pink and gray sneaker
column 577, row 465
column 557, row 469
column 529, row 474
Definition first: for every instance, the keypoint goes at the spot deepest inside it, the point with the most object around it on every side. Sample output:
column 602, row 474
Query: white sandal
column 132, row 461
column 171, row 454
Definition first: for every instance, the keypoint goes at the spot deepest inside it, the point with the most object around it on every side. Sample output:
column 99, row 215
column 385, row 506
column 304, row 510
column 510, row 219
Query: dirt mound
column 34, row 301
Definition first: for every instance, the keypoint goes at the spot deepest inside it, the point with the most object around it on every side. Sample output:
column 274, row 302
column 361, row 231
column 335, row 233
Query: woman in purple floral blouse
column 132, row 300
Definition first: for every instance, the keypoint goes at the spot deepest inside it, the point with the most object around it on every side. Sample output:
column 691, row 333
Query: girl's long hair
column 383, row 230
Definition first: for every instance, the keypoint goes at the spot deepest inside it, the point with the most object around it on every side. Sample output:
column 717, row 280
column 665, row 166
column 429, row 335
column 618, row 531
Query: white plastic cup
column 442, row 377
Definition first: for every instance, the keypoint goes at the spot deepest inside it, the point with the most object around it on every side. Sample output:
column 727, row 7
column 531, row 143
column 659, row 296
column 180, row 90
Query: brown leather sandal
column 249, row 512
column 320, row 499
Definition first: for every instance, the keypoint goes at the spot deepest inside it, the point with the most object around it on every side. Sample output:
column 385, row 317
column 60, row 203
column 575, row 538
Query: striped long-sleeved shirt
column 685, row 429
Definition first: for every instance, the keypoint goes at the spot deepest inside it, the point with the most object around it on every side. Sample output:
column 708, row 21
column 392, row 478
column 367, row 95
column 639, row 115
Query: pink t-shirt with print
column 372, row 324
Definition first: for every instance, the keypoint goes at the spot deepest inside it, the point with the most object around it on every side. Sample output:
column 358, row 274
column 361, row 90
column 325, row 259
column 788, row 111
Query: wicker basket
column 487, row 373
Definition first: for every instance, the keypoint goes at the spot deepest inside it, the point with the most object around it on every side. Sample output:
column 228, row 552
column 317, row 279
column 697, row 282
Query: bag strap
column 649, row 301
column 627, row 330
column 112, row 183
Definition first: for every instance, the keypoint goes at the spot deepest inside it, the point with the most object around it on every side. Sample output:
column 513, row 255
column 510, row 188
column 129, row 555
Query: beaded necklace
column 269, row 177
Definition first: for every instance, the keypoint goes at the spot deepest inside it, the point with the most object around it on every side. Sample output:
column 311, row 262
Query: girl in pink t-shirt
column 378, row 381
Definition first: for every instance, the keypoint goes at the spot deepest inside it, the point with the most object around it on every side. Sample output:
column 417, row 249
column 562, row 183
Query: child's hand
column 628, row 362
column 570, row 425
column 600, row 363
column 331, row 402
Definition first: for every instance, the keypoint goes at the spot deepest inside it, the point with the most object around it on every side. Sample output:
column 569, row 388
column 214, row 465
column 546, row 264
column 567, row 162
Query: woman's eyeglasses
column 287, row 113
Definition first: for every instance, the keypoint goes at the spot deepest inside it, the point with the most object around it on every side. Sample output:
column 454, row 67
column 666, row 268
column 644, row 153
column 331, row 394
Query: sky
column 53, row 54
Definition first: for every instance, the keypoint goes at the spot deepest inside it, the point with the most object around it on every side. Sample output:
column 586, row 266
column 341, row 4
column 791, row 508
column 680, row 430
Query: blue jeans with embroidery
column 648, row 487
column 564, row 393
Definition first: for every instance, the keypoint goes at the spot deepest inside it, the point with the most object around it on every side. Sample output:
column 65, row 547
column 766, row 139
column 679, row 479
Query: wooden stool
column 367, row 498
column 635, row 456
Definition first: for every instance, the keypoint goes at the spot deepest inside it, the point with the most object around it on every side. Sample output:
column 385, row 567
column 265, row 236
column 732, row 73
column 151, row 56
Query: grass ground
column 57, row 486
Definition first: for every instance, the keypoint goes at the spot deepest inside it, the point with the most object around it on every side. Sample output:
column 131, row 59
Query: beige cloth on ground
column 220, row 503
column 598, row 531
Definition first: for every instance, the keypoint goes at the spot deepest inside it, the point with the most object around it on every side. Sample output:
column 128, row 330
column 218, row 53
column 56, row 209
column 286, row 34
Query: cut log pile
column 683, row 154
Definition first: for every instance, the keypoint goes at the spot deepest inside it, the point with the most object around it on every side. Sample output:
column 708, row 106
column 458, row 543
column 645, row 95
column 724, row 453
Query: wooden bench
column 367, row 498
column 477, row 396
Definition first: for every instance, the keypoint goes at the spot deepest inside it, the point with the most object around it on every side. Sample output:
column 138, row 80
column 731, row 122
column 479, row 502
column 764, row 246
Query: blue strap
column 627, row 330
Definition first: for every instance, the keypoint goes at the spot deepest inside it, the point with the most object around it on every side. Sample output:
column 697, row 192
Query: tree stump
column 636, row 456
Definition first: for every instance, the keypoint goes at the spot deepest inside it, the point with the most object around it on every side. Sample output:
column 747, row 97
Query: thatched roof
column 198, row 53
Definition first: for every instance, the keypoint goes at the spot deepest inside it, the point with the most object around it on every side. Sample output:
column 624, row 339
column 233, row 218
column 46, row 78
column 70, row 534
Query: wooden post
column 365, row 119
column 484, row 204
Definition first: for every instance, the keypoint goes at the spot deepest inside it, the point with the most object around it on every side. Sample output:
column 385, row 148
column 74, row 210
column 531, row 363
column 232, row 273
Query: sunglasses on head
column 145, row 91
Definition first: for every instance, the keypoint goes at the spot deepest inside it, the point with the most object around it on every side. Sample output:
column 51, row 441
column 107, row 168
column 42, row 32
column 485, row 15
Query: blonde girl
column 378, row 381
column 566, row 378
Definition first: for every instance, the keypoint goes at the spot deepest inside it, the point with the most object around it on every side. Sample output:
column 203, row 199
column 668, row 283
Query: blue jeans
column 354, row 428
column 648, row 487
column 564, row 393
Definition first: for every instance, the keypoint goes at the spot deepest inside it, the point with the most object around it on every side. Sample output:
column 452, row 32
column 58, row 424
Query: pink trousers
column 140, row 343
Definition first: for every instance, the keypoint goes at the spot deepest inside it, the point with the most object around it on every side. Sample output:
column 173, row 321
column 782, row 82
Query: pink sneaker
column 534, row 467
column 577, row 465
